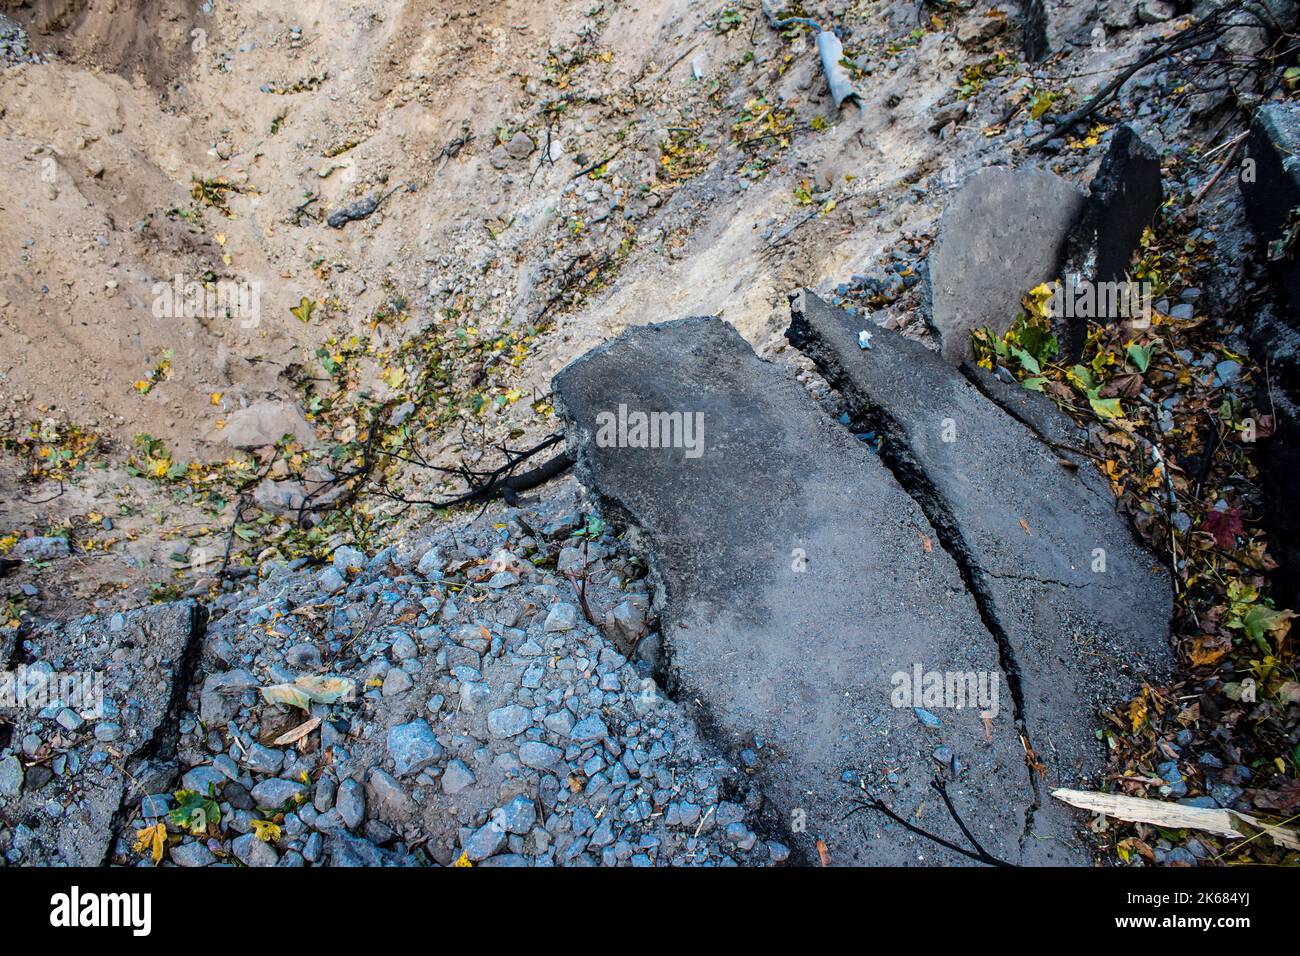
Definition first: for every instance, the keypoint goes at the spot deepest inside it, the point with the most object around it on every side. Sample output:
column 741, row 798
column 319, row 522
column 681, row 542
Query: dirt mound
column 155, row 39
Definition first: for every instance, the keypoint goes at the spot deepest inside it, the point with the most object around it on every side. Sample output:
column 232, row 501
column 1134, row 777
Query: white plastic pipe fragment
column 837, row 77
column 829, row 48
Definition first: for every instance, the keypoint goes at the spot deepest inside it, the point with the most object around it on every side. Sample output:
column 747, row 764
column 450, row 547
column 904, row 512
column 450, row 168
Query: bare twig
column 1208, row 28
column 1223, row 167
column 979, row 854
column 500, row 482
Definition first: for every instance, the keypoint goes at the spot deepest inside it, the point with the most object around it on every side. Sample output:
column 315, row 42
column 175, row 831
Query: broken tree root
column 978, row 853
column 501, row 482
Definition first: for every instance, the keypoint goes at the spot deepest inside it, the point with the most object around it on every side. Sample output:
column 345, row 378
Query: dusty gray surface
column 802, row 659
column 1026, row 530
column 1000, row 236
column 1032, row 409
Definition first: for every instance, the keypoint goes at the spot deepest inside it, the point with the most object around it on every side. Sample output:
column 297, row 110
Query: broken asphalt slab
column 1124, row 198
column 1270, row 188
column 97, row 729
column 797, row 581
column 1080, row 607
column 1003, row 233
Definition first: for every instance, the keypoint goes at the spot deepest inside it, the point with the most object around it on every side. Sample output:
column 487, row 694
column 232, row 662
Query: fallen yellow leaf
column 152, row 840
column 266, row 831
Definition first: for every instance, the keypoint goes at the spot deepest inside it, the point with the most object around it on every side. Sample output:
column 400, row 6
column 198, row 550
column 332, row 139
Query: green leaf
column 1260, row 620
column 1141, row 355
column 1081, row 376
column 1106, row 407
column 1042, row 102
column 1027, row 361
column 1034, row 384
column 195, row 811
column 1037, row 339
column 302, row 312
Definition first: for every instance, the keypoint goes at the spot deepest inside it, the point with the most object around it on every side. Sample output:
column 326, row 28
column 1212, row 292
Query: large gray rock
column 797, row 590
column 508, row 721
column 251, row 851
column 1002, row 234
column 413, row 747
column 486, row 840
column 1081, row 607
column 219, row 697
column 275, row 792
column 42, row 549
column 265, row 423
column 11, row 777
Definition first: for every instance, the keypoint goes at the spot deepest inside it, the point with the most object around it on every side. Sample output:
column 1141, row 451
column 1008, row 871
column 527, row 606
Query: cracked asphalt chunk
column 794, row 591
column 97, row 727
column 1082, row 608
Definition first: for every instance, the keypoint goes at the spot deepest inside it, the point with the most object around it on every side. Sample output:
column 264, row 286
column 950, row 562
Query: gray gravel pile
column 438, row 703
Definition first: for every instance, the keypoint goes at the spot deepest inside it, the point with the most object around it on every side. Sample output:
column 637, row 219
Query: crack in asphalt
column 894, row 453
column 166, row 736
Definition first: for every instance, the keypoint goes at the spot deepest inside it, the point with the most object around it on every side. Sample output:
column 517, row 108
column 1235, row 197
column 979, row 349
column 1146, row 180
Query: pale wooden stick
column 1176, row 816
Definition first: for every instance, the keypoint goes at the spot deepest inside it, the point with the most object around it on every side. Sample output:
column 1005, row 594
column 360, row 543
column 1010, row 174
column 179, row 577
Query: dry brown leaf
column 152, row 840
column 1137, row 713
column 1123, row 386
column 1208, row 651
column 823, row 853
